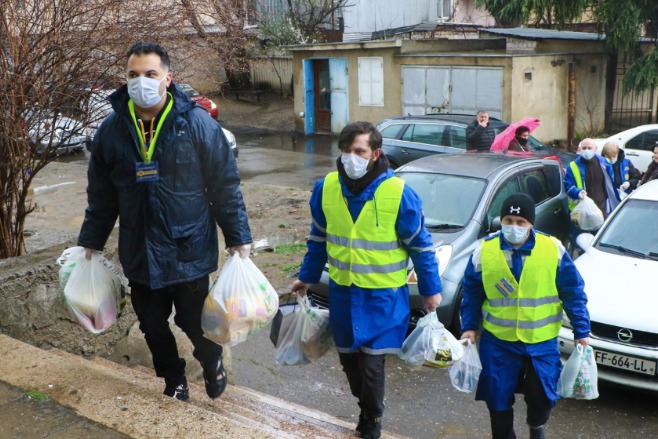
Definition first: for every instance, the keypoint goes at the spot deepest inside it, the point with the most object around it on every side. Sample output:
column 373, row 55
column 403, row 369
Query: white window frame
column 441, row 7
column 373, row 83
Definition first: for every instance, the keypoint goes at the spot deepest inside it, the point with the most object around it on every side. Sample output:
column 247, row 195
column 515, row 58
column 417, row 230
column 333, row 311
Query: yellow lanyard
column 147, row 154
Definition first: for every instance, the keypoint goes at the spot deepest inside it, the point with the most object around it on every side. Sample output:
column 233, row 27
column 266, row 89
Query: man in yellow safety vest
column 517, row 283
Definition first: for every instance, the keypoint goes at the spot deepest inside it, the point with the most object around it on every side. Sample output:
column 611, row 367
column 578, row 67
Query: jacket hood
column 369, row 192
column 182, row 102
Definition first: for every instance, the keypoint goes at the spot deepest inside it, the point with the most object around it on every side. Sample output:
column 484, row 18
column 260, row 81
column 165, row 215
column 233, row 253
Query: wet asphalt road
column 420, row 404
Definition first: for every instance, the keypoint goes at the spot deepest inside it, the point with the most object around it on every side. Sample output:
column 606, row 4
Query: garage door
column 452, row 90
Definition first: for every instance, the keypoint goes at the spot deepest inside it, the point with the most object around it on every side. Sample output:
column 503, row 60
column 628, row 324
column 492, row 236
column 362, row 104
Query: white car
column 619, row 267
column 63, row 134
column 638, row 144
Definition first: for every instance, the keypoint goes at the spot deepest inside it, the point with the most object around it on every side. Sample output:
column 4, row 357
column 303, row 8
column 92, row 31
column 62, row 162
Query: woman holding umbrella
column 519, row 132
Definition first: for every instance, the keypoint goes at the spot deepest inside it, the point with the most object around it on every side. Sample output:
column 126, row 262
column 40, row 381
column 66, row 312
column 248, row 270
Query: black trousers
column 539, row 406
column 367, row 378
column 153, row 308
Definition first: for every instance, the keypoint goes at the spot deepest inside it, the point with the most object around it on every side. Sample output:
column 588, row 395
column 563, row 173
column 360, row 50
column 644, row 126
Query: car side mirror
column 495, row 225
column 584, row 241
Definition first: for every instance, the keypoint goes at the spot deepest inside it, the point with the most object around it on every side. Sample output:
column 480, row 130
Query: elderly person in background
column 479, row 133
column 652, row 170
column 625, row 175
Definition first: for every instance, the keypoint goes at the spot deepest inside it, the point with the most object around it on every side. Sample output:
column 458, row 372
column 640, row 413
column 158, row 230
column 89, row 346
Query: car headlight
column 443, row 254
column 212, row 105
column 565, row 321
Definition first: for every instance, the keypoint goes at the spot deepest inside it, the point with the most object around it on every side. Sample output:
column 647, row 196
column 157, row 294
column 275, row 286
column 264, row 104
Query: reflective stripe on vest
column 366, row 253
column 579, row 183
column 529, row 310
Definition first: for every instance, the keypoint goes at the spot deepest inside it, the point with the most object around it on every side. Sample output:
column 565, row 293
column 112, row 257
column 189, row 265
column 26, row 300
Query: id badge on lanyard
column 146, row 172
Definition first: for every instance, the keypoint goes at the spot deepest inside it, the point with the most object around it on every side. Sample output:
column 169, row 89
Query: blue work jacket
column 168, row 227
column 372, row 320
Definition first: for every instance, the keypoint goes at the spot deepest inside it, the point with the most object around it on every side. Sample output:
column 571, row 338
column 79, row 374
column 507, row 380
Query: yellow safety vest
column 366, row 253
column 579, row 183
column 529, row 310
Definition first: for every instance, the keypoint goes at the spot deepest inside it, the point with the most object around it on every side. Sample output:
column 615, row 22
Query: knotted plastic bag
column 92, row 290
column 465, row 373
column 587, row 215
column 240, row 304
column 579, row 377
column 431, row 344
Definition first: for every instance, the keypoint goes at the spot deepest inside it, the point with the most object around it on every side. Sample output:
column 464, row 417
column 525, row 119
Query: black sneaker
column 180, row 391
column 215, row 379
column 372, row 428
column 537, row 432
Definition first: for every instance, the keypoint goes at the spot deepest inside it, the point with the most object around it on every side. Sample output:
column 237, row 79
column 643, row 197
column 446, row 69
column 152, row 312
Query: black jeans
column 367, row 378
column 539, row 406
column 153, row 308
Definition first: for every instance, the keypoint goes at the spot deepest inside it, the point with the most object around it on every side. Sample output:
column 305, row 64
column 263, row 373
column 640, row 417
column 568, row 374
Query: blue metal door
column 339, row 97
column 309, row 90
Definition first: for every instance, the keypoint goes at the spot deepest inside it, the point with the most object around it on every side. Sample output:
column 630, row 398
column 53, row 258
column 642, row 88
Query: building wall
column 540, row 86
column 272, row 73
column 367, row 16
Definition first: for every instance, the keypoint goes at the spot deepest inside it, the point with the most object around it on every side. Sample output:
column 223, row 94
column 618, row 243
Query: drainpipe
column 571, row 106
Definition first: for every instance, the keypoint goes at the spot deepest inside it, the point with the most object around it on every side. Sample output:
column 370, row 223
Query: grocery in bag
column 465, row 373
column 431, row 344
column 303, row 335
column 579, row 376
column 241, row 303
column 587, row 215
column 93, row 291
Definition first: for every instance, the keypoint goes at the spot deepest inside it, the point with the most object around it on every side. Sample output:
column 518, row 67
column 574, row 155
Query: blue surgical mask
column 515, row 234
column 355, row 166
column 587, row 154
column 145, row 92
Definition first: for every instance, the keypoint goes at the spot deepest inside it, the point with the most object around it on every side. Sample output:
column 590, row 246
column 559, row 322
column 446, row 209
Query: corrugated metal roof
column 541, row 34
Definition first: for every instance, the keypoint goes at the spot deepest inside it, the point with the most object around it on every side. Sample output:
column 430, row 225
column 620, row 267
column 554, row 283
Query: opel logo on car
column 625, row 335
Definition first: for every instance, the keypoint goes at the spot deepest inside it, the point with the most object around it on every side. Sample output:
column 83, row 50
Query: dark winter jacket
column 167, row 228
column 651, row 173
column 478, row 137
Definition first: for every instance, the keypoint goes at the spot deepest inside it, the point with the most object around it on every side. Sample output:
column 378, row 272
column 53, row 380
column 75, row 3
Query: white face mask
column 355, row 166
column 613, row 160
column 145, row 92
column 587, row 154
column 515, row 234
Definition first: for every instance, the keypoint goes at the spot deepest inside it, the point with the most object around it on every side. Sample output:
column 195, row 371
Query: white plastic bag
column 431, row 344
column 579, row 377
column 587, row 215
column 306, row 337
column 465, row 373
column 241, row 303
column 93, row 292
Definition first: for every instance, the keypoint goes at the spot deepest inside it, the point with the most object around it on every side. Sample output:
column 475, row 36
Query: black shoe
column 372, row 428
column 215, row 378
column 537, row 432
column 180, row 391
column 359, row 426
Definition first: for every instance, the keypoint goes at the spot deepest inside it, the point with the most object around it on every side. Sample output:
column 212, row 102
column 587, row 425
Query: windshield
column 633, row 231
column 449, row 201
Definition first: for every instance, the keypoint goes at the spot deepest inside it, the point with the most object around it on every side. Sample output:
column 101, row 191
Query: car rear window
column 392, row 131
column 432, row 134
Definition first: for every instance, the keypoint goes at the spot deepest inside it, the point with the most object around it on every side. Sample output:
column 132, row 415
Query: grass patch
column 282, row 226
column 37, row 396
column 290, row 249
column 287, row 269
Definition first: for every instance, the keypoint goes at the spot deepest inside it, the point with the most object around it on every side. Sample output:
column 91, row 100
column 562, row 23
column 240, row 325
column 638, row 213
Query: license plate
column 639, row 365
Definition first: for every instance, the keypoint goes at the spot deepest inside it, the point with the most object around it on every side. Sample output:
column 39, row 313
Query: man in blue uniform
column 366, row 224
column 517, row 283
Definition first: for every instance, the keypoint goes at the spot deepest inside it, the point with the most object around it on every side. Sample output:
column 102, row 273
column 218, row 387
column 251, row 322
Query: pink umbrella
column 502, row 140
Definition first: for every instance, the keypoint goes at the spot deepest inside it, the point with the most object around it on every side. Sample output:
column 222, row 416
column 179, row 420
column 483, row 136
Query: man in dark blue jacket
column 162, row 165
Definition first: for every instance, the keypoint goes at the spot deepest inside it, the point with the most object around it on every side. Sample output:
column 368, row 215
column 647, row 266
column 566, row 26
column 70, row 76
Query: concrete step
column 130, row 400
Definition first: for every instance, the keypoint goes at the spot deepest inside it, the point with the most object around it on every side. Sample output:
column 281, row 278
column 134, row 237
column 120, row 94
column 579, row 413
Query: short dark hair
column 347, row 135
column 522, row 129
column 144, row 48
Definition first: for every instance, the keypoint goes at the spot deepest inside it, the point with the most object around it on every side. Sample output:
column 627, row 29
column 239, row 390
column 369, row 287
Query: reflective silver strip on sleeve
column 506, row 323
column 317, row 238
column 362, row 244
column 317, row 226
column 368, row 269
column 420, row 250
column 528, row 303
column 408, row 240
